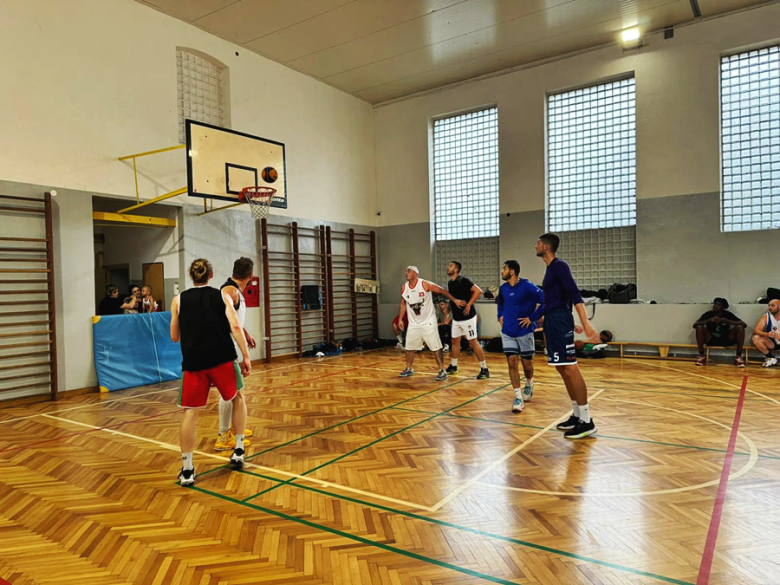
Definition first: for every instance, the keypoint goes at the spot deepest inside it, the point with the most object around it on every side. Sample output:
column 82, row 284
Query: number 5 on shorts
column 555, row 357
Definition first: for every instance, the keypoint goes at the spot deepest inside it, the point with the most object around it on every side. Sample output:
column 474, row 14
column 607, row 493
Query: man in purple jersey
column 560, row 293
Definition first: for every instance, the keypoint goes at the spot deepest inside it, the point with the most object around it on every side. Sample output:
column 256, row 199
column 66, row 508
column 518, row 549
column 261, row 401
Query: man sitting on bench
column 720, row 328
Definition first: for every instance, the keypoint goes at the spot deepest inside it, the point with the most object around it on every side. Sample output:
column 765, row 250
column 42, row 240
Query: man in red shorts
column 203, row 318
column 400, row 334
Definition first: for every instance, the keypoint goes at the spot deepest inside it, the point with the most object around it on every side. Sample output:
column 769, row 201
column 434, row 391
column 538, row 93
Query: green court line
column 345, row 422
column 374, row 442
column 502, row 422
column 431, row 521
column 365, row 541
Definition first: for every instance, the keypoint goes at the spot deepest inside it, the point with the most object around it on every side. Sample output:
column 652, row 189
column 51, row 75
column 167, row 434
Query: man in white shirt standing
column 417, row 303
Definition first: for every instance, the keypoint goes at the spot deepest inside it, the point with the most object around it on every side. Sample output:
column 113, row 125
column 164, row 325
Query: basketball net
column 259, row 199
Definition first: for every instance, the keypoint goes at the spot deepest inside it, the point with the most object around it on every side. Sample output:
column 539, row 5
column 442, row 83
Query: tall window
column 465, row 187
column 201, row 90
column 591, row 197
column 750, row 122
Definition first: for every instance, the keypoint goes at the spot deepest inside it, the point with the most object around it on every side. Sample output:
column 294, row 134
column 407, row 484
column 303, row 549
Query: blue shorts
column 523, row 346
column 559, row 333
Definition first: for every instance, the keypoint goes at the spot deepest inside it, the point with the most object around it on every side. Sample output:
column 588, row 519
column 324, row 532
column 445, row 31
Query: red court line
column 717, row 512
column 127, row 422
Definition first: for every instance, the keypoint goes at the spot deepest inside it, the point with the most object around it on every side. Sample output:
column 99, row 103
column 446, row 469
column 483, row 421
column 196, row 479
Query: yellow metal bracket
column 140, row 220
column 214, row 210
column 135, row 175
column 155, row 200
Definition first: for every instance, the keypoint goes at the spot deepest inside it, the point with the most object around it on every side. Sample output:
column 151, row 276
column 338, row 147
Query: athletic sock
column 225, row 415
column 483, row 364
column 585, row 413
column 186, row 461
column 454, row 362
column 519, row 393
column 769, row 354
column 529, row 381
column 575, row 408
column 400, row 339
column 240, row 441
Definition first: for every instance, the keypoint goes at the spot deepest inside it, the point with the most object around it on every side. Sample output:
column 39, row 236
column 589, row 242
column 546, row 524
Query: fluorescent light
column 630, row 34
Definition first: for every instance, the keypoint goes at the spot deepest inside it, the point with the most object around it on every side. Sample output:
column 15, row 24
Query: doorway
column 154, row 276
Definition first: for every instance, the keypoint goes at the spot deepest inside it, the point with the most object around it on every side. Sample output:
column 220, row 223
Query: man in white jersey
column 417, row 304
column 234, row 288
column 766, row 335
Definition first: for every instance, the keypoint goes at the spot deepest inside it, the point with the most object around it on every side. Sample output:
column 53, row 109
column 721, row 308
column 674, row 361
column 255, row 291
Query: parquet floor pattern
column 356, row 477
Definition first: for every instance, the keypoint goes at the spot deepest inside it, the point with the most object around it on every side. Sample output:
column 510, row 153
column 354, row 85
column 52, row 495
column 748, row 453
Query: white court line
column 101, row 403
column 493, row 465
column 177, row 449
column 716, row 380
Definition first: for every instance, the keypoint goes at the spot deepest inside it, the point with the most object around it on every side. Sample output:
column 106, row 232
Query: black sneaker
column 451, row 370
column 483, row 373
column 237, row 458
column 186, row 476
column 569, row 424
column 582, row 430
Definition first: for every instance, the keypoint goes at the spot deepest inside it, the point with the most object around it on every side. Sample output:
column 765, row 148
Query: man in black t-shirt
column 464, row 320
column 111, row 303
column 720, row 328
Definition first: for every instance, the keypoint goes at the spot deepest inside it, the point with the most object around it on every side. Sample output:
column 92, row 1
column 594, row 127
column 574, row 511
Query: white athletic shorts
column 467, row 328
column 417, row 334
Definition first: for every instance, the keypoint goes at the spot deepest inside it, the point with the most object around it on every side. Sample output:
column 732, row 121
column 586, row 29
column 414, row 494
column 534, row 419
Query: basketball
column 605, row 336
column 579, row 345
column 269, row 175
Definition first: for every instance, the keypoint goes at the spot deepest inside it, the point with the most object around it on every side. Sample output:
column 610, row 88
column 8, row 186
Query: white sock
column 483, row 364
column 454, row 362
column 585, row 413
column 240, row 441
column 400, row 339
column 575, row 408
column 225, row 415
column 186, row 460
column 529, row 381
column 519, row 393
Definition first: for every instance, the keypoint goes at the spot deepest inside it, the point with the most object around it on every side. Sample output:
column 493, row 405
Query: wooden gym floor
column 356, row 476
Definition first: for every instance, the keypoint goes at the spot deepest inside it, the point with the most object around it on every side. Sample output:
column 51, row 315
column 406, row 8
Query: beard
column 539, row 254
column 507, row 277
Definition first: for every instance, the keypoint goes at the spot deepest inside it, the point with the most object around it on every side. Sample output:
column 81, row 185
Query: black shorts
column 559, row 332
column 720, row 341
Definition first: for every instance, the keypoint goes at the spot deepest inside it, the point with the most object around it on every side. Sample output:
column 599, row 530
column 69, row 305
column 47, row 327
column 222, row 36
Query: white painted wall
column 86, row 81
column 677, row 117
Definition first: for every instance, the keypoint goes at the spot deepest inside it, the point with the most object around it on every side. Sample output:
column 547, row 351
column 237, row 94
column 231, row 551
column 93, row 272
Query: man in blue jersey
column 520, row 304
column 560, row 294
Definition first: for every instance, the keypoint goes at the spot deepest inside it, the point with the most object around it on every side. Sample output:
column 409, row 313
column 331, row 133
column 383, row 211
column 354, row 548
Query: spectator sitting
column 720, row 328
column 444, row 317
column 149, row 304
column 766, row 335
column 111, row 303
column 136, row 299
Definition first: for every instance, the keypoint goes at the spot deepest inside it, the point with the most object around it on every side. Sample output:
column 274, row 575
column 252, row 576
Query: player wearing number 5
column 520, row 305
column 560, row 293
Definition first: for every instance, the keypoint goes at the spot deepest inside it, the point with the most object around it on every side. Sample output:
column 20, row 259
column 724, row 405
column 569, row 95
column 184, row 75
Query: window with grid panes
column 465, row 186
column 591, row 198
column 750, row 136
column 200, row 90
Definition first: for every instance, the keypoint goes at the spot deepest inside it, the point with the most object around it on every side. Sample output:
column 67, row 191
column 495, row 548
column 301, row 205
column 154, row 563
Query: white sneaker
column 769, row 362
column 399, row 345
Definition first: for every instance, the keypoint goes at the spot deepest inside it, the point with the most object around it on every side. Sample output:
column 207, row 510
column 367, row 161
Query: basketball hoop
column 259, row 199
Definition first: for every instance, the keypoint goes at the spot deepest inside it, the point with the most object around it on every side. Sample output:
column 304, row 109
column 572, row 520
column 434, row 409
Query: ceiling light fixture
column 631, row 38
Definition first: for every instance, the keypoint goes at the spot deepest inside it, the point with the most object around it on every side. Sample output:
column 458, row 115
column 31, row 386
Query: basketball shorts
column 467, row 329
column 720, row 341
column 559, row 332
column 416, row 335
column 194, row 391
column 523, row 346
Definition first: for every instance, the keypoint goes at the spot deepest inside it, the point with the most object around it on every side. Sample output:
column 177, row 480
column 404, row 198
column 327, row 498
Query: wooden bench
column 663, row 349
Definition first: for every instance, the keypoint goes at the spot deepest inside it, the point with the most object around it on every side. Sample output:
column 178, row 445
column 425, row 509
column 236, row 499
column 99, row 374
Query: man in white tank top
column 234, row 287
column 417, row 304
column 766, row 335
